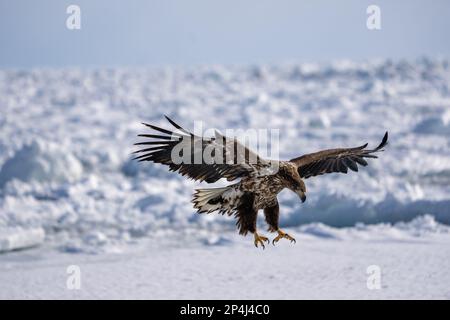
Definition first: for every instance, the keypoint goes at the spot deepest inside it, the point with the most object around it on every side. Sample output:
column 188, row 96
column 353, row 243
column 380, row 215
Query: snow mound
column 423, row 225
column 39, row 161
column 420, row 227
column 436, row 123
column 344, row 210
column 20, row 238
column 433, row 125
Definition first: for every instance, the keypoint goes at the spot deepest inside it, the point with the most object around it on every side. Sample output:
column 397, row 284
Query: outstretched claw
column 281, row 235
column 260, row 240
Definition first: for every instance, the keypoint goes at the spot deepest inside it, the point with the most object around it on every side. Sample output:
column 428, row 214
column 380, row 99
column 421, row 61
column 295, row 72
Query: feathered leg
column 272, row 215
column 246, row 218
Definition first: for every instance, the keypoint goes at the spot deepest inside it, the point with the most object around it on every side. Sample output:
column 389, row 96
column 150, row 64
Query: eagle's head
column 300, row 190
column 293, row 181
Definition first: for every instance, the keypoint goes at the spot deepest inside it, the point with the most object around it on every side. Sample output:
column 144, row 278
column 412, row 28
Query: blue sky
column 186, row 32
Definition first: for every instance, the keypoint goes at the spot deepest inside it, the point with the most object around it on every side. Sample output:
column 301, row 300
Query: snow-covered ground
column 326, row 263
column 70, row 193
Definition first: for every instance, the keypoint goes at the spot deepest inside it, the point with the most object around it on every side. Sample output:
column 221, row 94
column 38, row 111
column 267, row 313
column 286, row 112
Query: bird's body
column 260, row 180
column 266, row 188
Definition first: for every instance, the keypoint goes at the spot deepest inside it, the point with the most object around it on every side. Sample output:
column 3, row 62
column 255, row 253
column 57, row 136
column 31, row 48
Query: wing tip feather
column 383, row 141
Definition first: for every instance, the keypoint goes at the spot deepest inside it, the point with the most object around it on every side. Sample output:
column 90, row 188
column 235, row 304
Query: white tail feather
column 209, row 200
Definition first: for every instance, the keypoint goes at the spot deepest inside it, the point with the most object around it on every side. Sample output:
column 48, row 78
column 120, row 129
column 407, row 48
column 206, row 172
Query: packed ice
column 66, row 138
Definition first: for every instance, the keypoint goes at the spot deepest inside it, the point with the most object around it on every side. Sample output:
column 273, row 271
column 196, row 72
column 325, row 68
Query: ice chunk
column 41, row 162
column 434, row 125
column 19, row 238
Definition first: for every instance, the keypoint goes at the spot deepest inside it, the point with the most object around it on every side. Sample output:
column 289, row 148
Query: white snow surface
column 325, row 263
column 66, row 137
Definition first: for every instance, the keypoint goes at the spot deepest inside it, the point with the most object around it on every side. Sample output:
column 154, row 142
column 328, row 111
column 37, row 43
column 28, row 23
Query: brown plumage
column 260, row 180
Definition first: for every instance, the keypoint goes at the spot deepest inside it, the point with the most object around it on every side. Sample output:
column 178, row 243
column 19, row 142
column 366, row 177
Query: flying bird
column 257, row 181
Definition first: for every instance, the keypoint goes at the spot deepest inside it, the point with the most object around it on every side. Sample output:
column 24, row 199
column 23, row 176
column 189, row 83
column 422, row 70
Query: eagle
column 257, row 181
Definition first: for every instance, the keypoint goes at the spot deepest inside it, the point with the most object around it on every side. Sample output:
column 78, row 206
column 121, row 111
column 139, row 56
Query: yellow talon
column 281, row 235
column 260, row 239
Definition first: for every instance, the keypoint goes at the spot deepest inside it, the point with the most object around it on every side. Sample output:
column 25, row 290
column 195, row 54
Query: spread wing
column 335, row 160
column 199, row 158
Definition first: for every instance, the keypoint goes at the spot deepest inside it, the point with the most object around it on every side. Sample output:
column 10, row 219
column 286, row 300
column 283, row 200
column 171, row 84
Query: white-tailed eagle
column 259, row 184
